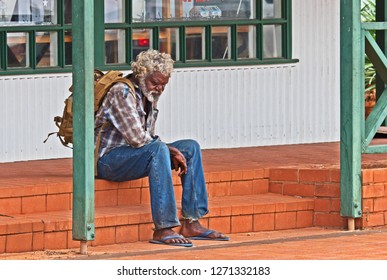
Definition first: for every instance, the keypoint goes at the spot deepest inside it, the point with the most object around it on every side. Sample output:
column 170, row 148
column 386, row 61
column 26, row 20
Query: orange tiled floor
column 320, row 154
column 315, row 243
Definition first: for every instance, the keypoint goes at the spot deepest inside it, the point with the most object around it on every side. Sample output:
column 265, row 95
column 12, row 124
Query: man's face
column 153, row 85
column 156, row 82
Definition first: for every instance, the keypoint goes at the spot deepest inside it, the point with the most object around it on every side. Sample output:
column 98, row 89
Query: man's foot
column 168, row 237
column 194, row 230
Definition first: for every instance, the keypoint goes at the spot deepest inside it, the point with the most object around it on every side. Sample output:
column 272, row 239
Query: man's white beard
column 152, row 96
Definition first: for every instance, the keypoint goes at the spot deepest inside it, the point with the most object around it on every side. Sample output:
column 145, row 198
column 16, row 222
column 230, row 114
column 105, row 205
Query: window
column 36, row 35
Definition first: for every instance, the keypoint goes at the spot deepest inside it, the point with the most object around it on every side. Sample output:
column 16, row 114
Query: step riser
column 46, row 198
column 321, row 187
column 110, row 229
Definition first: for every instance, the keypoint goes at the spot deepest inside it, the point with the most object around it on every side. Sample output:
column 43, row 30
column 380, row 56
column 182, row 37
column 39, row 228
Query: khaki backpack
column 102, row 84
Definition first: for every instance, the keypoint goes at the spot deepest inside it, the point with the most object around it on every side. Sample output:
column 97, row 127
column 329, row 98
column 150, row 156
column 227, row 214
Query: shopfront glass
column 169, row 42
column 115, row 51
column 195, row 43
column 37, row 34
column 28, row 12
column 114, row 11
column 193, row 10
column 17, row 49
column 47, row 46
column 272, row 41
column 271, row 9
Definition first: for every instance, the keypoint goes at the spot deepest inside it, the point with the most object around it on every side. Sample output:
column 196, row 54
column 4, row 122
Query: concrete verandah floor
column 299, row 244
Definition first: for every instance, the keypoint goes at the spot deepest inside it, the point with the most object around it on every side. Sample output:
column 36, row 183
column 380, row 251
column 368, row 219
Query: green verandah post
column 351, row 111
column 83, row 121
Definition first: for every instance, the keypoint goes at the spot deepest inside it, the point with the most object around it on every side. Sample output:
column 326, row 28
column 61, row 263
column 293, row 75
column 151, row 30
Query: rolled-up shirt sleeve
column 126, row 116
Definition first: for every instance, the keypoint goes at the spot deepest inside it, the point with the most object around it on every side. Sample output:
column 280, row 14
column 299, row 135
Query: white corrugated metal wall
column 219, row 107
column 29, row 104
column 264, row 105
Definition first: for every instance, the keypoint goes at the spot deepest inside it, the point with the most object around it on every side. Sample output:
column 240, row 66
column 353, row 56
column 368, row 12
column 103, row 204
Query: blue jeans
column 153, row 160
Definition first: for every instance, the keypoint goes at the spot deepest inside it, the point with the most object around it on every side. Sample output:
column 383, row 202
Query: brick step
column 122, row 224
column 47, row 192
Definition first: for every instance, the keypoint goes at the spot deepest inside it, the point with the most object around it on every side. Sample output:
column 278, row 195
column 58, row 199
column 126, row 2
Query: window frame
column 128, row 25
column 60, row 27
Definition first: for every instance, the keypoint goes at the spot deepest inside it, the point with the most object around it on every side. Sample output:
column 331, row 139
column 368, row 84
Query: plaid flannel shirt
column 128, row 122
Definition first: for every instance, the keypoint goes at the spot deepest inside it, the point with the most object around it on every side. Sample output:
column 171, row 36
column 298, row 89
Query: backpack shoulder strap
column 128, row 83
column 107, row 123
column 102, row 85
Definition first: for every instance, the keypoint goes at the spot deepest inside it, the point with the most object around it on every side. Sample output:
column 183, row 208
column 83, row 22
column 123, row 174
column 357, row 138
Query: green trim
column 45, row 70
column 3, row 51
column 128, row 15
column 178, row 64
column 376, row 56
column 32, row 48
column 182, row 44
column 26, row 28
column 379, row 112
column 100, row 26
column 156, row 38
column 288, row 33
column 375, row 119
column 375, row 149
column 259, row 42
column 208, row 47
column 201, row 23
column 258, row 10
column 240, row 62
column 234, row 42
column 99, row 34
column 61, row 49
column 381, row 39
column 374, row 25
column 129, row 49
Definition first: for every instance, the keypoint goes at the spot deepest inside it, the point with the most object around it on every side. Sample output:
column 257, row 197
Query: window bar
column 182, row 44
column 288, row 24
column 129, row 12
column 208, row 41
column 32, row 49
column 259, row 41
column 258, row 10
column 3, row 51
column 155, row 39
column 234, row 42
column 60, row 50
column 129, row 43
column 60, row 11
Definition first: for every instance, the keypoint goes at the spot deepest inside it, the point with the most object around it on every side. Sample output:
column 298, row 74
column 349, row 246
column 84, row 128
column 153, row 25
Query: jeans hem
column 166, row 226
column 191, row 219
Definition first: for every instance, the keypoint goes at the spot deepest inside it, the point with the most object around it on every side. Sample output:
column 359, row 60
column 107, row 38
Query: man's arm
column 178, row 160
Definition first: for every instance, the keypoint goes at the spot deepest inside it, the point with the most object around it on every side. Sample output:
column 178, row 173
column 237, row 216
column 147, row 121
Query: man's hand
column 178, row 160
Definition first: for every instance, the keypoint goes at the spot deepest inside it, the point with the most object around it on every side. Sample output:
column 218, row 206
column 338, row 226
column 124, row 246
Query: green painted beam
column 374, row 25
column 375, row 119
column 83, row 119
column 351, row 95
column 376, row 149
column 381, row 39
column 376, row 56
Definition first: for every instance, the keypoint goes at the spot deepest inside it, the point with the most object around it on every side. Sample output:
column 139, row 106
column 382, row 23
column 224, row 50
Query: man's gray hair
column 151, row 61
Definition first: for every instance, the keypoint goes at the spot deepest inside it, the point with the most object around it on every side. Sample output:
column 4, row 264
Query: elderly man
column 129, row 149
